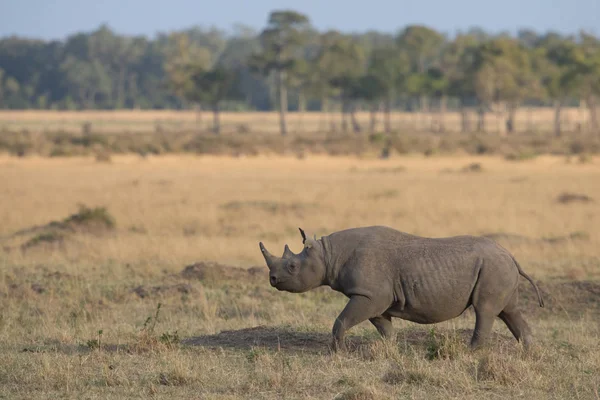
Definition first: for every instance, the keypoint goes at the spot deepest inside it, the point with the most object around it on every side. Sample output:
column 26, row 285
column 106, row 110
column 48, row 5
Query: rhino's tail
column 524, row 275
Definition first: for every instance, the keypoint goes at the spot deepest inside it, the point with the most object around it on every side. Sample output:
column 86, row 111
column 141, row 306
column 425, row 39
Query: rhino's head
column 296, row 273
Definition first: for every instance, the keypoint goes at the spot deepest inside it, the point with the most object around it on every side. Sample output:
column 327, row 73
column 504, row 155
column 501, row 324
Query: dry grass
column 80, row 320
column 533, row 119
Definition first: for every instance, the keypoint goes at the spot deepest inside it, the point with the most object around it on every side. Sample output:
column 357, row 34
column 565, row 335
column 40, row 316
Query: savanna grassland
column 141, row 277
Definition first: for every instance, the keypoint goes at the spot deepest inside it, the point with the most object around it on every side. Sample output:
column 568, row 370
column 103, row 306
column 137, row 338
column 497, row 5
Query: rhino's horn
column 303, row 235
column 287, row 252
column 268, row 256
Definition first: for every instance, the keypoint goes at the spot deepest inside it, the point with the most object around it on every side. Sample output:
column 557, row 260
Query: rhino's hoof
column 337, row 345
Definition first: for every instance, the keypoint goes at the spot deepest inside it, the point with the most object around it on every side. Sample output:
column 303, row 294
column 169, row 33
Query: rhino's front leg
column 358, row 309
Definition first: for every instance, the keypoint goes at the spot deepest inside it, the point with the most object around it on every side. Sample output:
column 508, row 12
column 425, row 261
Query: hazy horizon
column 37, row 19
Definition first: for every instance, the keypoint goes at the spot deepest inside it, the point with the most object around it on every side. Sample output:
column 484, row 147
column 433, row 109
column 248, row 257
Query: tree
column 372, row 89
column 583, row 75
column 85, row 81
column 437, row 85
column 552, row 60
column 323, row 68
column 456, row 62
column 182, row 59
column 388, row 69
column 347, row 60
column 423, row 46
column 281, row 41
column 502, row 78
column 213, row 87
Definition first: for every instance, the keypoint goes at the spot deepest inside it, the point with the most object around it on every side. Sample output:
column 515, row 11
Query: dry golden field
column 527, row 119
column 79, row 297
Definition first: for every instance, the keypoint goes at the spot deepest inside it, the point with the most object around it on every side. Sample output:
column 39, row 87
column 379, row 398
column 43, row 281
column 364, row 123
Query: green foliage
column 44, row 237
column 96, row 343
column 502, row 71
column 442, row 346
column 169, row 338
column 390, row 67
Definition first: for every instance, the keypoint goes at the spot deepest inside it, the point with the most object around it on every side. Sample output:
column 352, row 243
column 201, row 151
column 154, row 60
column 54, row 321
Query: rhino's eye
column 293, row 266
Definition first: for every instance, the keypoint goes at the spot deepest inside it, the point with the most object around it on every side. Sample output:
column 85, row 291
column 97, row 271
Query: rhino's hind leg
column 384, row 326
column 484, row 320
column 515, row 322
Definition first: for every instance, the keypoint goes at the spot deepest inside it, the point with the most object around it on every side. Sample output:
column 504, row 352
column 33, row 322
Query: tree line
column 290, row 65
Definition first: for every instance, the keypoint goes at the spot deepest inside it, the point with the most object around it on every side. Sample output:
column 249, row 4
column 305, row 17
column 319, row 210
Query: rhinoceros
column 386, row 273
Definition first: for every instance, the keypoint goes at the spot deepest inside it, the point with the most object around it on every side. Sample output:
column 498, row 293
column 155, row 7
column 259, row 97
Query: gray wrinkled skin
column 386, row 273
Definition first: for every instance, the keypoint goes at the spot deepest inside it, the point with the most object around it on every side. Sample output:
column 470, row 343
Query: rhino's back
column 370, row 235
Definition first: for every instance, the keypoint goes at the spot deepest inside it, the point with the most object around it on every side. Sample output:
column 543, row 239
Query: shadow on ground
column 278, row 338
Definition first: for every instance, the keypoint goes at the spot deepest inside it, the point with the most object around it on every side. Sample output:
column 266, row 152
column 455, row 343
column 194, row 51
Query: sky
column 56, row 19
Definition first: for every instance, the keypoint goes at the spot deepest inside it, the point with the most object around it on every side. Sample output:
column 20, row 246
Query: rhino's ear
column 309, row 243
column 303, row 235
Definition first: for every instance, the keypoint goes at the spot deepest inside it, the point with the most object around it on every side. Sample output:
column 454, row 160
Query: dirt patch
column 213, row 272
column 567, row 198
column 474, row 167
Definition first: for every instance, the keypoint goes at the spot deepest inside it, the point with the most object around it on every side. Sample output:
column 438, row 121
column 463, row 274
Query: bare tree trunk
column 330, row 115
column 216, row 121
column 481, row 119
column 442, row 117
column 355, row 125
column 510, row 120
column 557, row 110
column 388, row 112
column 199, row 118
column 373, row 124
column 499, row 109
column 464, row 118
column 283, row 106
